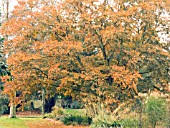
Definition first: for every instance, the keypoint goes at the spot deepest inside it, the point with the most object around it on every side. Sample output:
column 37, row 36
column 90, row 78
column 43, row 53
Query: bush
column 56, row 113
column 101, row 124
column 101, row 118
column 156, row 109
column 76, row 120
column 4, row 101
column 49, row 115
column 76, row 105
column 104, row 121
column 130, row 123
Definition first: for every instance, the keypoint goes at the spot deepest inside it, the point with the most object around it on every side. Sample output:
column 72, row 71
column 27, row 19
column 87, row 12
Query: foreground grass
column 6, row 122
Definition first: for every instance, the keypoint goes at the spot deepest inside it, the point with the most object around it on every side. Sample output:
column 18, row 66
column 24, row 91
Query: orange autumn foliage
column 95, row 52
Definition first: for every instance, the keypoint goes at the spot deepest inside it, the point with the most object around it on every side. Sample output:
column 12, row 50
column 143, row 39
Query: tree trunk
column 7, row 10
column 12, row 111
column 43, row 102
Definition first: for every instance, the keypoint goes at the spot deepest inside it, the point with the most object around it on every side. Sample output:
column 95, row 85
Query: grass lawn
column 78, row 112
column 6, row 122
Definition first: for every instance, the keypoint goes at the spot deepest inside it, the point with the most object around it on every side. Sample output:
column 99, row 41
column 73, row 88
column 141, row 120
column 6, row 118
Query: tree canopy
column 94, row 51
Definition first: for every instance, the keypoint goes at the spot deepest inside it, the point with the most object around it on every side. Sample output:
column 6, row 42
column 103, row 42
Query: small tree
column 156, row 109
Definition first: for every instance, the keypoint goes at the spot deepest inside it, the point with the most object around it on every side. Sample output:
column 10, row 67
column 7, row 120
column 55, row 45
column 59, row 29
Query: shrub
column 156, row 109
column 130, row 123
column 76, row 120
column 4, row 101
column 49, row 115
column 101, row 124
column 104, row 121
column 57, row 113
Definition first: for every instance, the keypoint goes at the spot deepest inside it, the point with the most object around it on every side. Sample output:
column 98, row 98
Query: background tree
column 4, row 100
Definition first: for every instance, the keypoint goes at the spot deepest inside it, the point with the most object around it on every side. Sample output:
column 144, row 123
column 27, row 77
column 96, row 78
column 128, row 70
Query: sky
column 12, row 3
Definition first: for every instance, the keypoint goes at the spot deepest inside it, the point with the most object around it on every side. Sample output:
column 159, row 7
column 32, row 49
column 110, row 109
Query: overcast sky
column 12, row 3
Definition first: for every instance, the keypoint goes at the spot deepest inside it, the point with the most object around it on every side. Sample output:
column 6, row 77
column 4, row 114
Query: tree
column 30, row 67
column 95, row 52
column 122, row 50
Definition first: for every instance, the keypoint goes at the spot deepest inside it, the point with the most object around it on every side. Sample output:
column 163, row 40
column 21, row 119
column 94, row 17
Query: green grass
column 6, row 122
column 35, row 122
column 31, row 122
column 76, row 112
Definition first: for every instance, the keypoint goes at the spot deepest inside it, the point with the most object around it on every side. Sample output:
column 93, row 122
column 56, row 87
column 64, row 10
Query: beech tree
column 97, row 52
column 122, row 53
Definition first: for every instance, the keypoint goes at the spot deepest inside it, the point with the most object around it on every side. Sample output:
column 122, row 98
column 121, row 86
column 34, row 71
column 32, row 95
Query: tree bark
column 43, row 102
column 12, row 113
column 7, row 10
column 12, row 110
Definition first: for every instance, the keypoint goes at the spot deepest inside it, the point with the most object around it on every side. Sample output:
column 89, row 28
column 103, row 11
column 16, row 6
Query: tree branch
column 41, row 71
